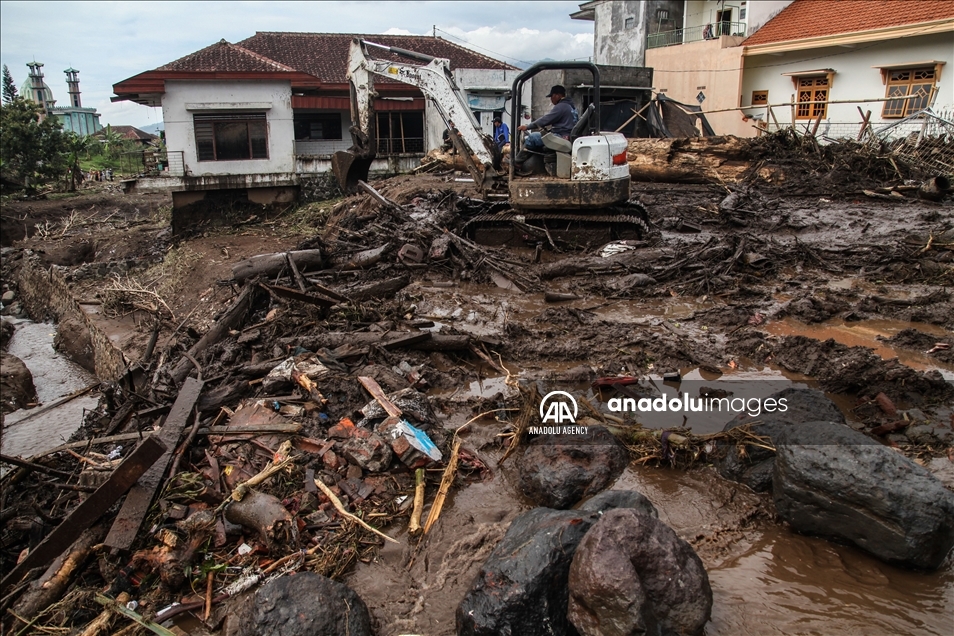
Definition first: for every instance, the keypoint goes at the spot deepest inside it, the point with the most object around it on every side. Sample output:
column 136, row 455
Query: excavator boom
column 433, row 77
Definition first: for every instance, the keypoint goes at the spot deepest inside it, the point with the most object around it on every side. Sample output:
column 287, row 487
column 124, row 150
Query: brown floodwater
column 30, row 431
column 866, row 333
column 765, row 579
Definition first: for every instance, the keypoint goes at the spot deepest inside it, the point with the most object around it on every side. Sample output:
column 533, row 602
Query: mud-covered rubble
column 327, row 415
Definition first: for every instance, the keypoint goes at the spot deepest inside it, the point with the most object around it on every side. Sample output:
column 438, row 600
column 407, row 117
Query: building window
column 759, row 98
column 907, row 82
column 317, row 126
column 812, row 97
column 662, row 14
column 226, row 137
column 400, row 132
column 629, row 23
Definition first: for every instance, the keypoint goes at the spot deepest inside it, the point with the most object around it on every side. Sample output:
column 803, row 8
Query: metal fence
column 153, row 163
column 699, row 33
column 925, row 139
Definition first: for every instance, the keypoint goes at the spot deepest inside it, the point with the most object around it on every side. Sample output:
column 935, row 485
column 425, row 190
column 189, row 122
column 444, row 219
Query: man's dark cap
column 557, row 90
column 497, row 119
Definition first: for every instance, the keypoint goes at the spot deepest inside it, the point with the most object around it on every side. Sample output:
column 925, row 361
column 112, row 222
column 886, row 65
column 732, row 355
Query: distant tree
column 76, row 146
column 111, row 142
column 32, row 151
column 9, row 86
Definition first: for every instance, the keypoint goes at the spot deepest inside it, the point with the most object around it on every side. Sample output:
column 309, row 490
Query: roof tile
column 225, row 57
column 325, row 55
column 814, row 18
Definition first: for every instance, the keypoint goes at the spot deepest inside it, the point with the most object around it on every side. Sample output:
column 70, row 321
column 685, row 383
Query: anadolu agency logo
column 558, row 408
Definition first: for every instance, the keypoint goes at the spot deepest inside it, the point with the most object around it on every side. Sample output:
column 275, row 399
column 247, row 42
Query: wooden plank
column 294, row 294
column 263, row 429
column 131, row 515
column 378, row 394
column 230, row 319
column 84, row 515
column 326, row 291
column 96, row 441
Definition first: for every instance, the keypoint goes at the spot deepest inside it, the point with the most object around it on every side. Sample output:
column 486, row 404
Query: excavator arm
column 435, row 80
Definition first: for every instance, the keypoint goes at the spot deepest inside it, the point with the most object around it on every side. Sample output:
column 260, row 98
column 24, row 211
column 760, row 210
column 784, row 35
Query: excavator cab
column 588, row 171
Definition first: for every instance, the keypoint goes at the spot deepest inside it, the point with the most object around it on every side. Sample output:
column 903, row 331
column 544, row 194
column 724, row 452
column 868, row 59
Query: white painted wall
column 757, row 12
column 856, row 75
column 231, row 95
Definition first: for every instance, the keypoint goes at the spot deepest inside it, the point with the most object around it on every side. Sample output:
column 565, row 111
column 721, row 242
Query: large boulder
column 521, row 590
column 16, row 383
column 831, row 480
column 632, row 575
column 557, row 471
column 753, row 467
column 303, row 604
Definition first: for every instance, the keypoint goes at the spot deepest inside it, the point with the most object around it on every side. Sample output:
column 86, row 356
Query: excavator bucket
column 350, row 168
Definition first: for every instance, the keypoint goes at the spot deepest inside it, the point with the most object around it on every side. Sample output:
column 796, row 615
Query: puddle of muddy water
column 865, row 333
column 30, row 431
column 765, row 579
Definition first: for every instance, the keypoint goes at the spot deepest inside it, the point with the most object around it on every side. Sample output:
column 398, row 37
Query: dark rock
column 16, row 383
column 927, row 434
column 557, row 471
column 754, row 469
column 613, row 499
column 303, row 604
column 833, row 481
column 6, row 332
column 413, row 404
column 521, row 590
column 73, row 339
column 632, row 575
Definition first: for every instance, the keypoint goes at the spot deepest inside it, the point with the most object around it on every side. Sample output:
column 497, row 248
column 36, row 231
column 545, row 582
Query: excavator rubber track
column 628, row 221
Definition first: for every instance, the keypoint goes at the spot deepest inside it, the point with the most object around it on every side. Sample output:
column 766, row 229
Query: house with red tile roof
column 265, row 114
column 835, row 62
column 737, row 57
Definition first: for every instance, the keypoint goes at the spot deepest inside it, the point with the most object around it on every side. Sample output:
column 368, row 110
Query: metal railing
column 711, row 31
column 153, row 163
column 397, row 145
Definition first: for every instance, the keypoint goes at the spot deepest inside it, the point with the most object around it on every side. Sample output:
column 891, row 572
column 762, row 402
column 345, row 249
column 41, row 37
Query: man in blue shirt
column 501, row 132
column 561, row 119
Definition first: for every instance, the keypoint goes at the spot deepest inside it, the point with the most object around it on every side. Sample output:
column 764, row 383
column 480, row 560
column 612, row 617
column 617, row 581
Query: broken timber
column 372, row 387
column 232, row 318
column 134, row 509
column 271, row 264
column 293, row 294
column 84, row 515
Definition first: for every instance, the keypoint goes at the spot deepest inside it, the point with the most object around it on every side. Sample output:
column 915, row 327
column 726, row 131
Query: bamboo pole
column 449, row 473
column 414, row 527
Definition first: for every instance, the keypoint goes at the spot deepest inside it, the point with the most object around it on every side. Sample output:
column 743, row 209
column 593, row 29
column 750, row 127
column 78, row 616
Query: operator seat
column 564, row 147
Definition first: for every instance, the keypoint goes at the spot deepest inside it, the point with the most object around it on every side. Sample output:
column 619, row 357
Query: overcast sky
column 109, row 42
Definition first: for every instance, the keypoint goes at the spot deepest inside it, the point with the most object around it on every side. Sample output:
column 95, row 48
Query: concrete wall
column 714, row 72
column 183, row 99
column 46, row 295
column 613, row 43
column 856, row 75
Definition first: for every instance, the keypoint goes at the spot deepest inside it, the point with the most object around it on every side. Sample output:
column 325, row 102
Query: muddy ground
column 794, row 275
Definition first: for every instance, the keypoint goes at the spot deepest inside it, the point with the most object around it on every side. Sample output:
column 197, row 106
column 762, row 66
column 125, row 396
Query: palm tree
column 111, row 141
column 76, row 145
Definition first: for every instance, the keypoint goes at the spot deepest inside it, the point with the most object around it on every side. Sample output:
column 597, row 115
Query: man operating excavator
column 561, row 119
